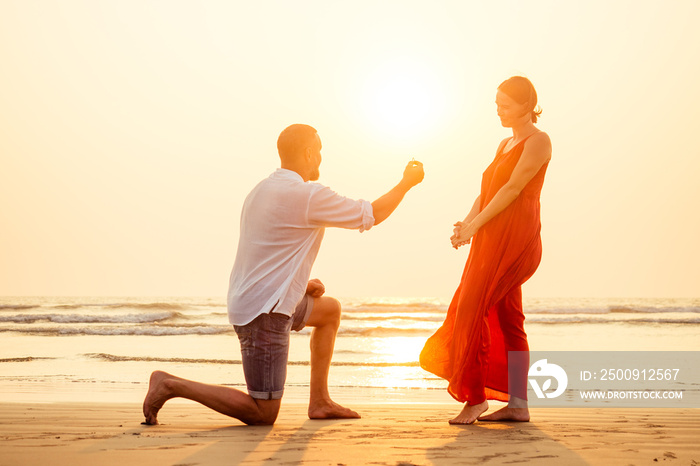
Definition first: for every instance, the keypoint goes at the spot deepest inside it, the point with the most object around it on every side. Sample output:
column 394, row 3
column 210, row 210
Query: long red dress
column 485, row 318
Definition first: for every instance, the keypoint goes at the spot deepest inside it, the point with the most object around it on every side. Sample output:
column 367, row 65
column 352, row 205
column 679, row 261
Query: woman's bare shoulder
column 539, row 142
column 540, row 137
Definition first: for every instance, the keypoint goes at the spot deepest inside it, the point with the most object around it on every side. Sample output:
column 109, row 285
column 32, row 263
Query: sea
column 68, row 349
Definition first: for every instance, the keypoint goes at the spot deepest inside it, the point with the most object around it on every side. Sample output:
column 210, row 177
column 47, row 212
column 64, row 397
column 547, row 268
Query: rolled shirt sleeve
column 327, row 208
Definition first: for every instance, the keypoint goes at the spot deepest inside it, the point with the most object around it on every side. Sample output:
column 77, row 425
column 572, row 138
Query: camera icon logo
column 542, row 369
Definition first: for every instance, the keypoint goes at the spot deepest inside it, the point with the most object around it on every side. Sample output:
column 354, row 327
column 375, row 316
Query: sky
column 131, row 132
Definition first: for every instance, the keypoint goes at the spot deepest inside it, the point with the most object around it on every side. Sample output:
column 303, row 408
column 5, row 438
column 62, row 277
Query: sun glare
column 403, row 100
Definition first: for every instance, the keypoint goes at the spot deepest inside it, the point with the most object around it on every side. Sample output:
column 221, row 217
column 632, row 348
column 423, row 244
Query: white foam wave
column 117, row 358
column 151, row 317
column 136, row 330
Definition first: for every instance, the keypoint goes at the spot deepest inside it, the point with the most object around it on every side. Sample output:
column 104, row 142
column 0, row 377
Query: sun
column 403, row 100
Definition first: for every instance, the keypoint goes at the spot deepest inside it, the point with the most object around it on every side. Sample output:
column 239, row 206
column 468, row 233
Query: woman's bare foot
column 328, row 409
column 508, row 414
column 470, row 413
column 156, row 397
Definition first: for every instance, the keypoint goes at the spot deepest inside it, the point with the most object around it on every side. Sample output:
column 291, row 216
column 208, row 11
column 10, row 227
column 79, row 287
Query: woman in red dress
column 485, row 318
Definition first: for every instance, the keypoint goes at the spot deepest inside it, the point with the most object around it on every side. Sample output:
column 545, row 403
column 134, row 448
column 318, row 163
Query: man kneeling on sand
column 270, row 294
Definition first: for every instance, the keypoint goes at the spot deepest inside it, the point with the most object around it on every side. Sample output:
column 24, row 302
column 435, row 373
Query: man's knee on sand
column 267, row 419
column 266, row 414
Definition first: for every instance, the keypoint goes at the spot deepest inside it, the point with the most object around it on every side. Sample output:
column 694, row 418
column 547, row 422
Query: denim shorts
column 265, row 349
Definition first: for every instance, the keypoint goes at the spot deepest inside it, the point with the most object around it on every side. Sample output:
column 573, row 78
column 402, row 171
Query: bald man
column 270, row 294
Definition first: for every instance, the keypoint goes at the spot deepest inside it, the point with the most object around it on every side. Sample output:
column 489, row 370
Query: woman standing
column 485, row 318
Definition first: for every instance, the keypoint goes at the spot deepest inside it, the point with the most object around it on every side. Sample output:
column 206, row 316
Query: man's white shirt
column 282, row 225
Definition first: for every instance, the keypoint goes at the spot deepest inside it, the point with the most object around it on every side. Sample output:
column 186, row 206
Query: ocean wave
column 25, row 359
column 384, row 331
column 17, row 307
column 389, row 308
column 549, row 319
column 653, row 309
column 116, row 358
column 91, row 319
column 195, row 329
column 164, row 306
column 376, row 318
column 390, row 301
column 160, row 330
column 609, row 320
column 615, row 310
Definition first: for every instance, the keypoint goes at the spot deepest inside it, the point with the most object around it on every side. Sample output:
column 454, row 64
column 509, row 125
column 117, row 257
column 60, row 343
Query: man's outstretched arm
column 385, row 205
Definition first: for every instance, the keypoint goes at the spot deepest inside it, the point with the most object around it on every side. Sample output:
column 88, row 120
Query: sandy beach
column 387, row 434
column 75, row 372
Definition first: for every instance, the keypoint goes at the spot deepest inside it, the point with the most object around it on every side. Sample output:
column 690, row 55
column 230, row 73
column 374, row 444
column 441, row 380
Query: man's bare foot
column 328, row 409
column 156, row 397
column 508, row 414
column 470, row 413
